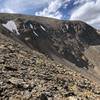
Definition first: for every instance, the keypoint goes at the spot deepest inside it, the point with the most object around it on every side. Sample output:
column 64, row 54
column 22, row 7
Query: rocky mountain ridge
column 64, row 38
column 66, row 43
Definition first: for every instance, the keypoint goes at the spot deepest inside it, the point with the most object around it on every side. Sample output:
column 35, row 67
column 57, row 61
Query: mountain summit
column 48, row 45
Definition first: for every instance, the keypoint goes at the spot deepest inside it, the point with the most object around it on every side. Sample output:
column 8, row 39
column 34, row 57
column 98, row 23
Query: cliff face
column 74, row 44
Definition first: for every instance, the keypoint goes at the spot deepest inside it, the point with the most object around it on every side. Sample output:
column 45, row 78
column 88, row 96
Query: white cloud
column 53, row 9
column 6, row 10
column 88, row 12
column 18, row 6
column 81, row 1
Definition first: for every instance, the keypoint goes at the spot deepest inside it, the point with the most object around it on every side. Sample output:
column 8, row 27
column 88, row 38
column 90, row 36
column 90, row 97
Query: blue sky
column 85, row 10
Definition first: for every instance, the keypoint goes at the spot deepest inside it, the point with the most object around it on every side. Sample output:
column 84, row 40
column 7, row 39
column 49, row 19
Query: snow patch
column 31, row 26
column 42, row 27
column 35, row 33
column 27, row 38
column 11, row 26
column 67, row 26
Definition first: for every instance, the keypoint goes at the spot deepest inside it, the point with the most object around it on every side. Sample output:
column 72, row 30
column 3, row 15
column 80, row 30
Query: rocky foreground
column 29, row 75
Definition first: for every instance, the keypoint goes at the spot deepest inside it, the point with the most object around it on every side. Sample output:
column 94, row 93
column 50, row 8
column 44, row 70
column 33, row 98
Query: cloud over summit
column 85, row 10
column 53, row 9
column 88, row 12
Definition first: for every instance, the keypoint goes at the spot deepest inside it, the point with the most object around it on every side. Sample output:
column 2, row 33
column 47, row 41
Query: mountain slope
column 67, row 43
column 29, row 75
